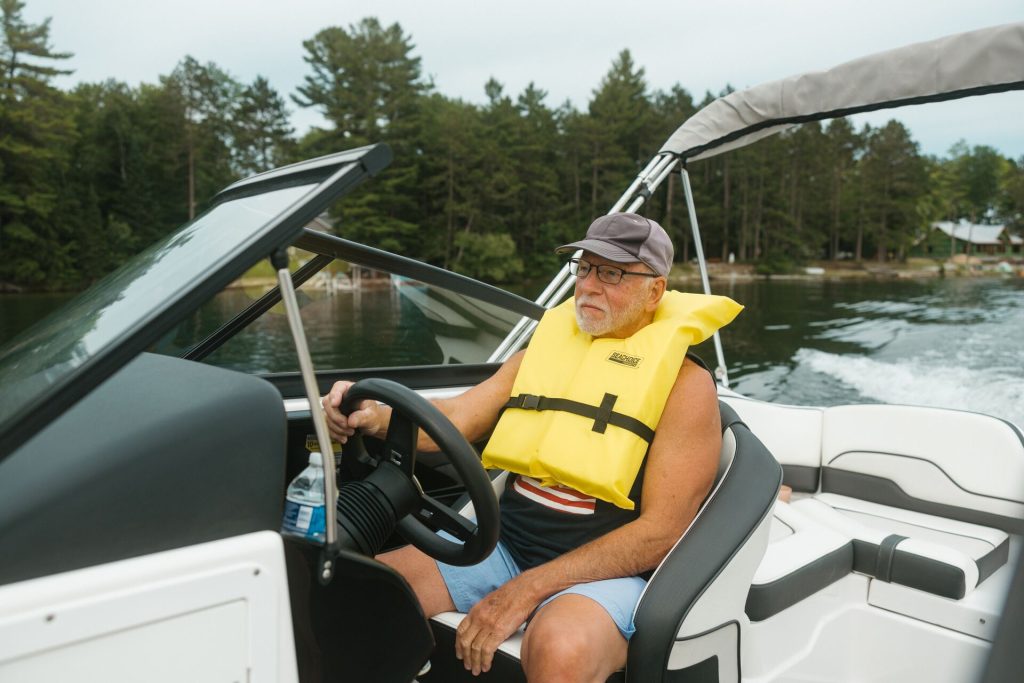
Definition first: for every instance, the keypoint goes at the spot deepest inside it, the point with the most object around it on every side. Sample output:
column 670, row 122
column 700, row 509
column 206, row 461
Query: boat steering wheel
column 390, row 496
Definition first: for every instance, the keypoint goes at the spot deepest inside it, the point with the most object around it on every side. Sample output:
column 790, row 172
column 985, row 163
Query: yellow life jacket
column 583, row 411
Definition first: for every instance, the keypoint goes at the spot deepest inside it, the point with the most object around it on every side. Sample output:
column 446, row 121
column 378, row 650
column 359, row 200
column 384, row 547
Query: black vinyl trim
column 707, row 670
column 801, row 477
column 912, row 571
column 373, row 158
column 336, row 247
column 744, row 499
column 768, row 599
column 847, row 111
column 929, row 462
column 886, row 553
column 887, row 492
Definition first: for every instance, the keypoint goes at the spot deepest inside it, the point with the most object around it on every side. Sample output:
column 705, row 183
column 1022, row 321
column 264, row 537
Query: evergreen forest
column 91, row 175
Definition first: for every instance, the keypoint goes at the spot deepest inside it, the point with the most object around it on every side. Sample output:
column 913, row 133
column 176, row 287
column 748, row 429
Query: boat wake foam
column 923, row 382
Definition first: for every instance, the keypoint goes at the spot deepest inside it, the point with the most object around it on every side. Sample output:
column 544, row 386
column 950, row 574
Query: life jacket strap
column 602, row 415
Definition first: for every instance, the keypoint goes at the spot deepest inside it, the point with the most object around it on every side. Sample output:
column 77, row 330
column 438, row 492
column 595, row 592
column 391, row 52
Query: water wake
column 923, row 382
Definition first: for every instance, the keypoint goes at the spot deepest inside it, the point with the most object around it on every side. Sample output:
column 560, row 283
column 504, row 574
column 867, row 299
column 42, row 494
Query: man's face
column 604, row 310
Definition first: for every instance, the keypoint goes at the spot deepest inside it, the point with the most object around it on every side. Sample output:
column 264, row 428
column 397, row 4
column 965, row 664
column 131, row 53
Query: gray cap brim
column 602, row 249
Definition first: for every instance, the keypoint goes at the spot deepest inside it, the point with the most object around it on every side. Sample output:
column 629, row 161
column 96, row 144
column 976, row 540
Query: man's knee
column 556, row 649
column 572, row 638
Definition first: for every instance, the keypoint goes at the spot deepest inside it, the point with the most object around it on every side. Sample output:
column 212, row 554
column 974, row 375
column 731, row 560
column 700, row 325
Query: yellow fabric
column 560, row 448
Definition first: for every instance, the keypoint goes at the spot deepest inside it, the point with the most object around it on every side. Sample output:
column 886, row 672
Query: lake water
column 956, row 343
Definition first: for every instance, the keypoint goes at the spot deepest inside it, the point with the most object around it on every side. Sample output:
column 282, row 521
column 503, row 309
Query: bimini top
column 979, row 62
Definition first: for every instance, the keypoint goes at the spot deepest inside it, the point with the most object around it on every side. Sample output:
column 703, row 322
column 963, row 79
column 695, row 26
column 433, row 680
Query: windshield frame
column 335, row 175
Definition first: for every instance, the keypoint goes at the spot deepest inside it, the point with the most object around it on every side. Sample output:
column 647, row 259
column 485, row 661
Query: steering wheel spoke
column 400, row 444
column 439, row 517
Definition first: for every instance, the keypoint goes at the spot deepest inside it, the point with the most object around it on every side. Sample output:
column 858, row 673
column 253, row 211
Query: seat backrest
column 691, row 612
column 950, row 463
column 791, row 433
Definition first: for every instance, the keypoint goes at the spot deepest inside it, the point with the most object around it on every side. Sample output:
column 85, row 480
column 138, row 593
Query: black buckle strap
column 604, row 413
column 602, row 416
column 886, row 553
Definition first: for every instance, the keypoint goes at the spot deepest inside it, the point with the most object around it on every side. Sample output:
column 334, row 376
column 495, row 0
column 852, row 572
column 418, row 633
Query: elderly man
column 611, row 437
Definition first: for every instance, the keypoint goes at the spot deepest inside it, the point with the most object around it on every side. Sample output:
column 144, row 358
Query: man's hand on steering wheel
column 370, row 417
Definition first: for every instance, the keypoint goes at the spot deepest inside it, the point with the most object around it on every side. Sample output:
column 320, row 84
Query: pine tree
column 367, row 84
column 35, row 133
column 620, row 113
column 261, row 132
column 208, row 95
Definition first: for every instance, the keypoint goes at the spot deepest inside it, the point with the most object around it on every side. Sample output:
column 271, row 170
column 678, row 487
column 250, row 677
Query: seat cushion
column 803, row 557
column 942, row 556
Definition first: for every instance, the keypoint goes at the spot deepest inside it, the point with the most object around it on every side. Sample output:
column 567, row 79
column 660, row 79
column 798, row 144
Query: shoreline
column 920, row 269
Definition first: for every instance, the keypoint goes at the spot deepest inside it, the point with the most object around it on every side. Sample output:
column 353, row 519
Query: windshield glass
column 47, row 353
column 354, row 317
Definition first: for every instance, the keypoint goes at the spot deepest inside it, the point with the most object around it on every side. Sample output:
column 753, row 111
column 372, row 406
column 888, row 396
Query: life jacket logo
column 624, row 359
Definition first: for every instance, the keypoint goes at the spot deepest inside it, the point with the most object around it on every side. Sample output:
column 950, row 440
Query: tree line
column 91, row 175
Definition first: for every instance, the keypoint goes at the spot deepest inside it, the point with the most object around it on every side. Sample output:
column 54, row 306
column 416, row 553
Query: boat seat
column 946, row 557
column 803, row 556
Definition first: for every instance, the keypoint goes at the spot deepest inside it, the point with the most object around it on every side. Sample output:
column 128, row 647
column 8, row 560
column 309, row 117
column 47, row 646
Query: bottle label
column 303, row 520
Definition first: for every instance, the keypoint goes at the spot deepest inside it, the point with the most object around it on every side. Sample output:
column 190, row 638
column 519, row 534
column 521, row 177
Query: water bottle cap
column 316, row 459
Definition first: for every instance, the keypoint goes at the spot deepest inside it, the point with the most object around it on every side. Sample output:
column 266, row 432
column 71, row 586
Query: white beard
column 610, row 322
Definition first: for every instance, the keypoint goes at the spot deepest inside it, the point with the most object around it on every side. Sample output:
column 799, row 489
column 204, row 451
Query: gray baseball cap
column 627, row 238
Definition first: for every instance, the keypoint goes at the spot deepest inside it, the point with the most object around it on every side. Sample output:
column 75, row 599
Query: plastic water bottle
column 304, row 503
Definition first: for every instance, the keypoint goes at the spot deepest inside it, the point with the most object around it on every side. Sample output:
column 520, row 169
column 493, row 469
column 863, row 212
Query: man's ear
column 657, row 291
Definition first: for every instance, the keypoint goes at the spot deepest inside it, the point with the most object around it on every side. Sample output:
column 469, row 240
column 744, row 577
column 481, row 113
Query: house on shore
column 945, row 239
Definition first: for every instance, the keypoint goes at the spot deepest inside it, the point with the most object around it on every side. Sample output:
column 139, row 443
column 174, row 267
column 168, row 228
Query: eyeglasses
column 610, row 275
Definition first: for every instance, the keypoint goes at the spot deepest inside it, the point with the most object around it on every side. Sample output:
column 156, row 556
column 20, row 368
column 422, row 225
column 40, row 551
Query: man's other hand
column 489, row 623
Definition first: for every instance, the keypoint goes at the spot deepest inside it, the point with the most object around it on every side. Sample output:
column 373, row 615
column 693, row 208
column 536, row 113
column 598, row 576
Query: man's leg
column 572, row 638
column 421, row 571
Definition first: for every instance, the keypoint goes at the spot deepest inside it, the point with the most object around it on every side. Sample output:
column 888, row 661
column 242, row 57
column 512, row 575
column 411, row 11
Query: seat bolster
column 913, row 562
column 935, row 554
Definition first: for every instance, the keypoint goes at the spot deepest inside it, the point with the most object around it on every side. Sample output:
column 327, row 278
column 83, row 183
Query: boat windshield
column 46, row 355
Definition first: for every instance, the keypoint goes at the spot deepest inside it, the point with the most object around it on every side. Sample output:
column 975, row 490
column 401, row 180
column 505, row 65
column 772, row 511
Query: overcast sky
column 564, row 47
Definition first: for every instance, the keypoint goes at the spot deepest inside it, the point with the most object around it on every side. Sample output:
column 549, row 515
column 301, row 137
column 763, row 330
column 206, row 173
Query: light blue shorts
column 469, row 585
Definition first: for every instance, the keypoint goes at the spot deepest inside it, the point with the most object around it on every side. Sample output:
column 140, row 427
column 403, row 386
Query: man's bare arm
column 681, row 467
column 473, row 412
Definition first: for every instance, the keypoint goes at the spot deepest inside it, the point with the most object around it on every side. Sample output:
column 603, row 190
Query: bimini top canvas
column 979, row 62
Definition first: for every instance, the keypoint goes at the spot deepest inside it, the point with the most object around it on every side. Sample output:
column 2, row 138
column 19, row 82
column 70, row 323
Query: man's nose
column 590, row 282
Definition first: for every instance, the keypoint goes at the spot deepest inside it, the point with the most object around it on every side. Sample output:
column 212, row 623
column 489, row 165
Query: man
column 575, row 541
